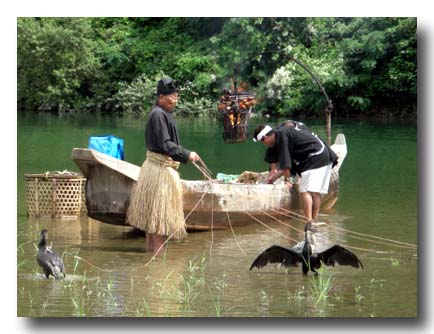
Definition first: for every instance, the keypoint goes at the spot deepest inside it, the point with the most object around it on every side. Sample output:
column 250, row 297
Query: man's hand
column 193, row 156
column 289, row 185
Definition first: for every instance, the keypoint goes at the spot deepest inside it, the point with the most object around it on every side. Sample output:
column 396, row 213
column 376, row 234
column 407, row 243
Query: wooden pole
column 329, row 107
column 328, row 112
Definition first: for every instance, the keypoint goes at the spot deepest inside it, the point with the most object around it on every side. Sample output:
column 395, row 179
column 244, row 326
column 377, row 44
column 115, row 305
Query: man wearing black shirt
column 299, row 150
column 271, row 152
column 156, row 200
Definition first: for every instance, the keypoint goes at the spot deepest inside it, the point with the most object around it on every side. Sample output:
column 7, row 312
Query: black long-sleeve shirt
column 161, row 135
column 296, row 149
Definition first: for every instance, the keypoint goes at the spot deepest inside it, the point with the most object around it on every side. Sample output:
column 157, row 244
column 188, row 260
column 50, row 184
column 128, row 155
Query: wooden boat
column 208, row 205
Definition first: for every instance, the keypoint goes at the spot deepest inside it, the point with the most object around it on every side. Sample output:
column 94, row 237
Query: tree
column 57, row 66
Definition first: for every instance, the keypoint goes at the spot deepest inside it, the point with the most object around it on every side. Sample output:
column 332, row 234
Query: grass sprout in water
column 320, row 286
column 395, row 262
column 219, row 288
column 144, row 309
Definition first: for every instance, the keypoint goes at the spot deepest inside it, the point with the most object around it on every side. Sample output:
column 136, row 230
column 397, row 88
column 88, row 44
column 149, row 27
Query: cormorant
column 50, row 262
column 304, row 253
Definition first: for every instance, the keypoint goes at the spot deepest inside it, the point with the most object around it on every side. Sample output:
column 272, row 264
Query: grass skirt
column 156, row 199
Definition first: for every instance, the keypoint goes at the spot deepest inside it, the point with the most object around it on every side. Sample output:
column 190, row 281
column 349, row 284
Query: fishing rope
column 281, row 222
column 354, row 237
column 91, row 264
column 168, row 238
column 367, row 249
column 373, row 241
column 292, row 215
column 212, row 220
column 353, row 247
column 235, row 237
column 262, row 223
column 203, row 169
column 404, row 244
column 207, row 174
column 390, row 242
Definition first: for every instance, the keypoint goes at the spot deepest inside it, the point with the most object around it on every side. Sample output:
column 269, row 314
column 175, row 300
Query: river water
column 207, row 274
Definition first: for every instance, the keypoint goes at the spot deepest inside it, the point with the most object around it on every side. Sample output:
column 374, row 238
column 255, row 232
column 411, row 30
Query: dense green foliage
column 366, row 65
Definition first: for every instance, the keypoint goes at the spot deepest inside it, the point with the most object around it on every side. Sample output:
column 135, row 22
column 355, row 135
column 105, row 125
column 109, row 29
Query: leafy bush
column 139, row 96
column 136, row 97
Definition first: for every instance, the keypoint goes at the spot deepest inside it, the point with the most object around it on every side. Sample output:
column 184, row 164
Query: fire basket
column 235, row 108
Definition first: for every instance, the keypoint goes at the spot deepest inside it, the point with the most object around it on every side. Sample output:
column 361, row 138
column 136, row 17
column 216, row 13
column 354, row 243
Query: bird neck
column 307, row 238
column 308, row 242
column 42, row 242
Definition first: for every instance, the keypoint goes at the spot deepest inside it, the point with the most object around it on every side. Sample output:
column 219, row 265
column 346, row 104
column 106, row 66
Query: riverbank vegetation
column 111, row 65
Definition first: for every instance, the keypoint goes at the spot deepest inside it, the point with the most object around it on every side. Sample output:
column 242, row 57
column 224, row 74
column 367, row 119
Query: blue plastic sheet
column 109, row 144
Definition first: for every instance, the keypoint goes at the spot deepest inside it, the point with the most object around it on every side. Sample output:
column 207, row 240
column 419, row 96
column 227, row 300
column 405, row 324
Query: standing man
column 156, row 200
column 299, row 150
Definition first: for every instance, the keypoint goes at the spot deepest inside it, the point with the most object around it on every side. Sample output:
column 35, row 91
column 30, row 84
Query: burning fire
column 236, row 105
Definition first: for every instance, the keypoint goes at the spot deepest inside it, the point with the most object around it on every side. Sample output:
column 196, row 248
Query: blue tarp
column 109, row 144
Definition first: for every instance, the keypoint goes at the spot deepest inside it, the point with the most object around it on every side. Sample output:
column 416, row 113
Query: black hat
column 167, row 86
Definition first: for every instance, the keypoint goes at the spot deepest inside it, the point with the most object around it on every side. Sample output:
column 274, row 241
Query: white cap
column 263, row 133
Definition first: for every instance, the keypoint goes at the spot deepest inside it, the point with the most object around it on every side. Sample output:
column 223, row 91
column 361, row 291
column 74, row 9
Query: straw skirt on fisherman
column 156, row 199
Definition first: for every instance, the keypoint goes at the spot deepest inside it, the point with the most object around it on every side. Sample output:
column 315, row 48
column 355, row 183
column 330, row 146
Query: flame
column 241, row 87
column 231, row 118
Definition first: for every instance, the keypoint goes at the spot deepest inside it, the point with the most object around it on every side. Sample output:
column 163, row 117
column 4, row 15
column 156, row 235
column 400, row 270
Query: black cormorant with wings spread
column 305, row 254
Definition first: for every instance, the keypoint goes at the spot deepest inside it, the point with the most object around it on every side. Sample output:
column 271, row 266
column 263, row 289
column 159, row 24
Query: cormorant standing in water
column 51, row 263
column 304, row 253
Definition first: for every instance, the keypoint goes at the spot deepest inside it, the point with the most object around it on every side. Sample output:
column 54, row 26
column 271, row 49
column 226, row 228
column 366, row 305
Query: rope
column 281, row 222
column 353, row 247
column 367, row 249
column 212, row 220
column 91, row 264
column 299, row 216
column 207, row 174
column 204, row 166
column 348, row 246
column 185, row 219
column 354, row 237
column 262, row 223
column 235, row 237
column 203, row 169
column 405, row 244
column 390, row 242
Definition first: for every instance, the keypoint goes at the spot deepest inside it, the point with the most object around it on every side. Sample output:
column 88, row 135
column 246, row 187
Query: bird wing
column 276, row 254
column 340, row 255
column 55, row 261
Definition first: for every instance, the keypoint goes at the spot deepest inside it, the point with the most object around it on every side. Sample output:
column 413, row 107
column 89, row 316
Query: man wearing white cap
column 305, row 153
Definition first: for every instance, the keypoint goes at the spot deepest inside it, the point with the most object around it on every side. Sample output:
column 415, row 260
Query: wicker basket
column 59, row 195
